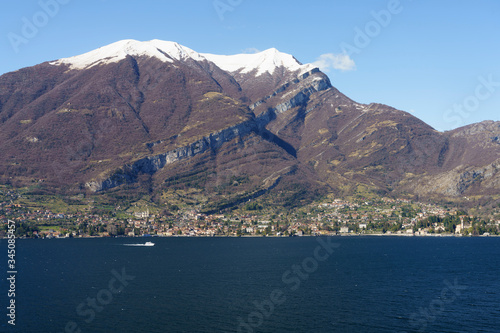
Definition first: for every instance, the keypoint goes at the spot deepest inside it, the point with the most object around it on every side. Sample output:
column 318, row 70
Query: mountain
column 159, row 119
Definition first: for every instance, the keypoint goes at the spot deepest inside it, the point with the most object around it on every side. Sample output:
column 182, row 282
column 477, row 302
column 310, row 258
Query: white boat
column 149, row 244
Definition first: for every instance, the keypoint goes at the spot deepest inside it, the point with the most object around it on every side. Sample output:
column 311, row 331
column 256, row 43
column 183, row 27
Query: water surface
column 368, row 284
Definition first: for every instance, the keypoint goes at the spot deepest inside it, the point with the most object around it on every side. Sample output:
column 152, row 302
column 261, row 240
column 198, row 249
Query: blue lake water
column 303, row 284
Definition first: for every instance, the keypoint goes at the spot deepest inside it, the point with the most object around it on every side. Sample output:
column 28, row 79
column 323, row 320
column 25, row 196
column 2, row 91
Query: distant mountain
column 158, row 118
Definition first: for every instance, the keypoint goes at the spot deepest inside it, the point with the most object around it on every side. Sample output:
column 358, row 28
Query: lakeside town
column 385, row 216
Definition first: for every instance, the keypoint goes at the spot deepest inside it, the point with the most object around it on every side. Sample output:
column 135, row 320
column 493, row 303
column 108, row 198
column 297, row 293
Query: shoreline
column 273, row 236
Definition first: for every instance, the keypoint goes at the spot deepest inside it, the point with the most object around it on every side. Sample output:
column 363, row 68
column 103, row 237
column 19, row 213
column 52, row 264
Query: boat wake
column 140, row 244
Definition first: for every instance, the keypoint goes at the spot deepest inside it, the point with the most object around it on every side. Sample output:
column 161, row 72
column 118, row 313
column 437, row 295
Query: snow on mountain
column 163, row 50
column 263, row 62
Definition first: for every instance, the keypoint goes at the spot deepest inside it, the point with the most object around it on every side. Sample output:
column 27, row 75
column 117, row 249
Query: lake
column 299, row 284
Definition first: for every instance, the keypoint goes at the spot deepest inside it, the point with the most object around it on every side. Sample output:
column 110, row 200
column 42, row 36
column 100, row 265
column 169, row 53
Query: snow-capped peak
column 262, row 62
column 163, row 50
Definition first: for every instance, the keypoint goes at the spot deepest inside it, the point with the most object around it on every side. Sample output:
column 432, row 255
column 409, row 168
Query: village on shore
column 385, row 216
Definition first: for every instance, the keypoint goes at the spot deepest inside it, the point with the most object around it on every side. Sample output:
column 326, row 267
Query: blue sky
column 436, row 59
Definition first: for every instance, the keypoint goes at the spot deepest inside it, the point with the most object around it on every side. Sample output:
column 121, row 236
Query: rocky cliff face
column 458, row 182
column 151, row 164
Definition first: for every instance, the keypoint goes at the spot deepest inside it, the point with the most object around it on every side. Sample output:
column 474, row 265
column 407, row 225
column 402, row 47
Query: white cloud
column 340, row 61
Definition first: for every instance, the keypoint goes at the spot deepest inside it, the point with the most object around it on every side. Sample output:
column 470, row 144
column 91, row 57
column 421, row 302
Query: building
column 112, row 229
column 142, row 215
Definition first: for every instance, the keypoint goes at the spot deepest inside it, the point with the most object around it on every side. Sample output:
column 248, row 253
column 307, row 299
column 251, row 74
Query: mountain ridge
column 264, row 61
